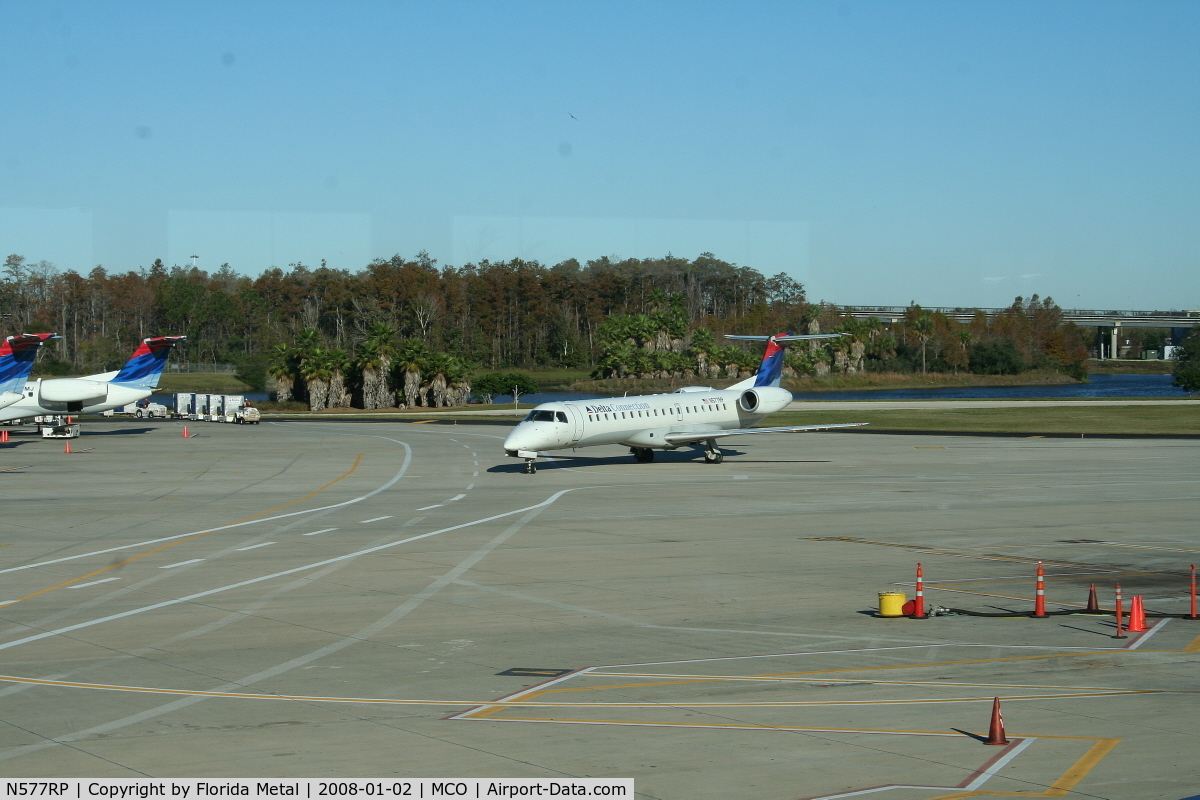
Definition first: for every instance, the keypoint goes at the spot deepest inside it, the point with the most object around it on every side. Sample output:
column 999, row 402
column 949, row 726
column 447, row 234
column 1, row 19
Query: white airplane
column 695, row 416
column 59, row 396
column 16, row 362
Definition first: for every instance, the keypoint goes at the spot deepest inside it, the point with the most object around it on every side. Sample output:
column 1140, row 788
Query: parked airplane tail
column 147, row 362
column 16, row 358
column 771, row 369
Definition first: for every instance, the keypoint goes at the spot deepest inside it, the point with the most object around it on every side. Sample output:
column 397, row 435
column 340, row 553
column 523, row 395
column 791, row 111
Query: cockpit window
column 560, row 416
column 545, row 416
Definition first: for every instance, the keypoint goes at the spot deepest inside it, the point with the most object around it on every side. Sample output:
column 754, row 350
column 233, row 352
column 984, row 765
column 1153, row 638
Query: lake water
column 1098, row 386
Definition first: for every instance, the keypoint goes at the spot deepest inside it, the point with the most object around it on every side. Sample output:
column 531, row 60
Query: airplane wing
column 687, row 437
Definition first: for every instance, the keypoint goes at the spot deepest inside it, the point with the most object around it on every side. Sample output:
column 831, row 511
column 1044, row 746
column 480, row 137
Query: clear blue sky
column 944, row 152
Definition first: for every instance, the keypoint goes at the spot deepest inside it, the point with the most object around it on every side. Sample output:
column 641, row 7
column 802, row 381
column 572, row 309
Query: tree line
column 410, row 332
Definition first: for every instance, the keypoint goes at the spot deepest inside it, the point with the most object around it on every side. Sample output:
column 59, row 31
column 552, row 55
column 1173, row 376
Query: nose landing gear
column 530, row 466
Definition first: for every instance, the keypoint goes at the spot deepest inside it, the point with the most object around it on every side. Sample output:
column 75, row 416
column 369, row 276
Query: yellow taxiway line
column 543, row 703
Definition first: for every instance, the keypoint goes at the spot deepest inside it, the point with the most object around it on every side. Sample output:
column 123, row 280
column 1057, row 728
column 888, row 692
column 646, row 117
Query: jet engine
column 71, row 390
column 764, row 399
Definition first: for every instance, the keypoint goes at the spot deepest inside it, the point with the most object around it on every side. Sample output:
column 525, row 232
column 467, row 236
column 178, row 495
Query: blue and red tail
column 16, row 358
column 770, row 371
column 147, row 362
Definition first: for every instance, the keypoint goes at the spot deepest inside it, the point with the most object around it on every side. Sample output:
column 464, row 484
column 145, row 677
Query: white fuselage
column 642, row 421
column 72, row 396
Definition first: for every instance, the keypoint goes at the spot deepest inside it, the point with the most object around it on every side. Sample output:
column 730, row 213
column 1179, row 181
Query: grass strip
column 1081, row 419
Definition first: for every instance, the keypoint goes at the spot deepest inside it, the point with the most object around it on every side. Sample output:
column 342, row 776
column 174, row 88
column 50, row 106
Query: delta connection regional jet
column 58, row 396
column 695, row 416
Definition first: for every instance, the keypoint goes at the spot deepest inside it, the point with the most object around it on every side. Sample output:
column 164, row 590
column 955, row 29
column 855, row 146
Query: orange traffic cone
column 68, row 447
column 4, row 435
column 185, row 433
column 1093, row 605
column 996, row 732
column 1039, row 598
column 1137, row 615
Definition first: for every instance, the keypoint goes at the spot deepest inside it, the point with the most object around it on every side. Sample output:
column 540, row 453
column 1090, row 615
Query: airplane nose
column 523, row 437
column 516, row 439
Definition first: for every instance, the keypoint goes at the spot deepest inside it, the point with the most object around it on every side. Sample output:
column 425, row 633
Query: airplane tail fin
column 147, row 362
column 770, row 371
column 16, row 358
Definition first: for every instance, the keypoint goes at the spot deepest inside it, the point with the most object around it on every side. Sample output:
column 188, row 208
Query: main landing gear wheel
column 530, row 466
column 712, row 454
column 642, row 454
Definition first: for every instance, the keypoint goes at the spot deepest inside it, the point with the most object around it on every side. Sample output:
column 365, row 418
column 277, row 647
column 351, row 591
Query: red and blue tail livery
column 16, row 359
column 771, row 370
column 147, row 362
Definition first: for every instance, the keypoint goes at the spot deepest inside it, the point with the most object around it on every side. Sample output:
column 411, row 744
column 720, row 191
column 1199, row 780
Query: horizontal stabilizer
column 687, row 437
column 791, row 337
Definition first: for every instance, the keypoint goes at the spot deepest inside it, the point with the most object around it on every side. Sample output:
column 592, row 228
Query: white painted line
column 1142, row 639
column 741, row 477
column 387, row 485
column 315, row 565
column 93, row 583
column 181, row 563
column 254, row 546
column 374, row 519
column 474, row 454
column 452, row 499
column 426, row 508
column 470, row 486
column 476, row 463
column 1009, row 756
column 323, row 530
column 475, row 474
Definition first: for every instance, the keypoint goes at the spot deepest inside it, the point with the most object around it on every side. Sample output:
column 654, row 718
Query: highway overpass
column 1180, row 322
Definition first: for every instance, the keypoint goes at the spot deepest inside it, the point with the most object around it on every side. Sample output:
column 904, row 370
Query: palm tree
column 702, row 346
column 923, row 327
column 410, row 360
column 307, row 340
column 384, row 337
column 368, row 362
column 339, row 364
column 643, row 328
column 615, row 358
column 436, row 367
column 282, row 370
column 316, row 369
column 458, row 378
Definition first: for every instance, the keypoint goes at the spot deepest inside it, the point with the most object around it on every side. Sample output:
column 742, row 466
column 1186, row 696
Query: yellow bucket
column 891, row 604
